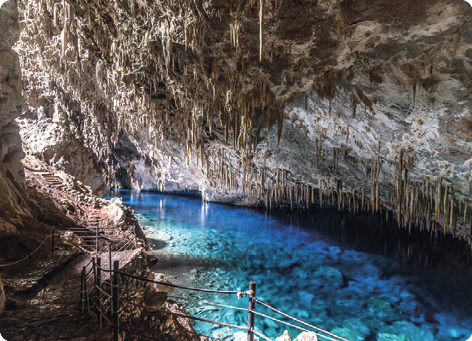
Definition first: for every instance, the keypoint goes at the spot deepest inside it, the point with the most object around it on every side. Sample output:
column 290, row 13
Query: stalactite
column 261, row 28
column 437, row 199
column 335, row 160
column 466, row 213
column 290, row 190
column 453, row 214
column 321, row 193
column 398, row 184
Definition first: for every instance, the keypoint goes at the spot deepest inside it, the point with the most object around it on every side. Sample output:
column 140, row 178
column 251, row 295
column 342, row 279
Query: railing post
column 99, row 284
column 116, row 303
column 110, row 278
column 96, row 240
column 251, row 315
column 94, row 271
column 85, row 287
column 82, row 291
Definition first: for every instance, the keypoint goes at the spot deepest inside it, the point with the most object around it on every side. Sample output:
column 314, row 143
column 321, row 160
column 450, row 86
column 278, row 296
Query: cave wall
column 12, row 179
column 361, row 105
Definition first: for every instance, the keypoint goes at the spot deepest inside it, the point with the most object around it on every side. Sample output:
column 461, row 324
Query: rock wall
column 360, row 105
column 3, row 298
column 12, row 179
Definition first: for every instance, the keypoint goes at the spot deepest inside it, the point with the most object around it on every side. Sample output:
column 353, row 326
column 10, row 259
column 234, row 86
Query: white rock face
column 372, row 110
column 53, row 142
column 12, row 179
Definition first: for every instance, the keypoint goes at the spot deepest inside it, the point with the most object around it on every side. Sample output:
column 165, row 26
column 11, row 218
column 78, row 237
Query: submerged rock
column 383, row 310
column 392, row 337
column 242, row 336
column 329, row 276
column 415, row 333
column 351, row 334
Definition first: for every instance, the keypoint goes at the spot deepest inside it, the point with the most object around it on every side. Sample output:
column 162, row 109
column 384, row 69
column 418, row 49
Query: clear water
column 353, row 275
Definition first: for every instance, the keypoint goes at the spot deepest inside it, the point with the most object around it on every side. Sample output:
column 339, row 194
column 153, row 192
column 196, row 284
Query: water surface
column 357, row 276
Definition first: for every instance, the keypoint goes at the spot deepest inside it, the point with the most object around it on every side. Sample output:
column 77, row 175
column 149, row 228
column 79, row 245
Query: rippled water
column 356, row 276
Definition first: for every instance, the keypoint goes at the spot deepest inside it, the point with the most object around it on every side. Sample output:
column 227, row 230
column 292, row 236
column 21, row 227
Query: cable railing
column 96, row 294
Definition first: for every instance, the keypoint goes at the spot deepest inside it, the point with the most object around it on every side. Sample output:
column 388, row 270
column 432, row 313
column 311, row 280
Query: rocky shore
column 41, row 295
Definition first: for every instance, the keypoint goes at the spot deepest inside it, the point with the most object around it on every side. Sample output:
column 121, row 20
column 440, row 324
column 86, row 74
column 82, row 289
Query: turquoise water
column 353, row 275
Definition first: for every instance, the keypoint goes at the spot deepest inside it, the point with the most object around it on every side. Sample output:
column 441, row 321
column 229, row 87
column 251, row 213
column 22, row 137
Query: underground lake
column 357, row 276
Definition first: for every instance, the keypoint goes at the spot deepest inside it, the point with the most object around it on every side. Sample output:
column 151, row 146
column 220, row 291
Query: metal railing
column 93, row 235
column 93, row 289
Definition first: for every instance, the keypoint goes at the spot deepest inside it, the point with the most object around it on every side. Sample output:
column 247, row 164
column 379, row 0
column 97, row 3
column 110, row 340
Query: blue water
column 356, row 276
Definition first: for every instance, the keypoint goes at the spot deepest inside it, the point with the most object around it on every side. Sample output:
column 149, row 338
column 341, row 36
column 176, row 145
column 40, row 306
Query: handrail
column 18, row 261
column 195, row 318
column 295, row 319
column 173, row 285
column 115, row 300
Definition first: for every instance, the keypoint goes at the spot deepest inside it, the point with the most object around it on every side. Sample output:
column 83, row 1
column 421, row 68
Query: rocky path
column 45, row 304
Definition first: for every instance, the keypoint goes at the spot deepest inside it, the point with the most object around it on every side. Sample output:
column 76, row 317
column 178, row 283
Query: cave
column 321, row 149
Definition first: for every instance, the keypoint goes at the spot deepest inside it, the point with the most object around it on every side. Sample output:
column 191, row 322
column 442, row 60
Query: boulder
column 158, row 277
column 307, row 336
column 154, row 299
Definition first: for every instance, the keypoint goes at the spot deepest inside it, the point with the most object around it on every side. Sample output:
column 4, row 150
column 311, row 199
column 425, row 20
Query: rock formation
column 12, row 180
column 356, row 104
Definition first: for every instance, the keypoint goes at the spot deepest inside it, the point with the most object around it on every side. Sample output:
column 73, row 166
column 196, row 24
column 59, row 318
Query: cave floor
column 44, row 298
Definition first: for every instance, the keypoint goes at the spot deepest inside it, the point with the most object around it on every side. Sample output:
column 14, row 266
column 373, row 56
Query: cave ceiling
column 280, row 103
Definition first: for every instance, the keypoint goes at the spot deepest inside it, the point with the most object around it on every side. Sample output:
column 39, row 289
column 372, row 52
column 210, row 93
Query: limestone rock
column 284, row 337
column 185, row 323
column 158, row 277
column 55, row 143
column 307, row 336
column 154, row 299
